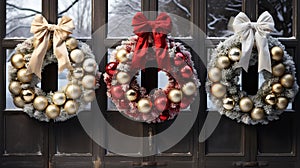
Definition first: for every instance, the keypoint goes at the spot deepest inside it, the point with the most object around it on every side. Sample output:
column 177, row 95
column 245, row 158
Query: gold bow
column 42, row 31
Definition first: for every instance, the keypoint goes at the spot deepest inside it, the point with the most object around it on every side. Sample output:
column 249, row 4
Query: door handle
column 148, row 164
column 251, row 164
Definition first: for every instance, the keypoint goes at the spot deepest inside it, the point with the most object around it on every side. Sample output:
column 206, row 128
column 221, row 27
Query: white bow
column 245, row 28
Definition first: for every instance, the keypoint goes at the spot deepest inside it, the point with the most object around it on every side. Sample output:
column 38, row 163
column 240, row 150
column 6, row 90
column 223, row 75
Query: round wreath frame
column 230, row 79
column 131, row 110
column 26, row 48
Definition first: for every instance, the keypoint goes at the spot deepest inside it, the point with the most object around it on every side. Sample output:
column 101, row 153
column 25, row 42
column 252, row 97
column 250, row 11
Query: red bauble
column 186, row 71
column 117, row 92
column 164, row 116
column 179, row 59
column 161, row 103
column 123, row 104
column 185, row 102
column 111, row 67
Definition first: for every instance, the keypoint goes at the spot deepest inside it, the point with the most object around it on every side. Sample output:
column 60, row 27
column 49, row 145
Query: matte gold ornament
column 71, row 43
column 88, row 81
column 277, row 53
column 278, row 70
column 215, row 74
column 228, row 103
column 36, row 42
column 89, row 95
column 246, row 104
column 121, row 55
column 271, row 99
column 89, row 65
column 52, row 111
column 234, row 54
column 77, row 56
column 15, row 87
column 27, row 95
column 282, row 103
column 144, row 105
column 131, row 95
column 71, row 107
column 189, row 88
column 257, row 113
column 23, row 76
column 223, row 62
column 287, row 81
column 78, row 73
column 73, row 91
column 123, row 77
column 18, row 61
column 218, row 90
column 175, row 95
column 277, row 88
column 40, row 103
column 59, row 98
column 19, row 102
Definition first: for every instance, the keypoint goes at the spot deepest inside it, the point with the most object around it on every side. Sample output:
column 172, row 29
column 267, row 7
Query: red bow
column 144, row 28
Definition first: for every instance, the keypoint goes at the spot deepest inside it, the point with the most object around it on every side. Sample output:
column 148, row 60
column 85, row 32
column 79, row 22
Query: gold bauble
column 282, row 103
column 27, row 95
column 73, row 91
column 71, row 43
column 18, row 61
column 89, row 65
column 287, row 81
column 77, row 56
column 228, row 103
column 59, row 98
column 175, row 95
column 257, row 113
column 15, row 87
column 52, row 111
column 215, row 74
column 121, row 55
column 123, row 77
column 19, row 102
column 234, row 54
column 276, row 53
column 271, row 99
column 223, row 62
column 277, row 88
column 89, row 95
column 88, row 81
column 36, row 42
column 189, row 88
column 23, row 76
column 71, row 107
column 278, row 70
column 78, row 73
column 40, row 103
column 218, row 90
column 246, row 104
column 144, row 105
column 131, row 95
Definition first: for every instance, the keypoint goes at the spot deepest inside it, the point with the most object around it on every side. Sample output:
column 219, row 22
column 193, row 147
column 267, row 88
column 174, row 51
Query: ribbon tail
column 139, row 56
column 247, row 45
column 264, row 59
column 37, row 57
column 161, row 50
column 61, row 53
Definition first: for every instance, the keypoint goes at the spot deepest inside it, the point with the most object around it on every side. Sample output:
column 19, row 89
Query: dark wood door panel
column 23, row 162
column 73, row 162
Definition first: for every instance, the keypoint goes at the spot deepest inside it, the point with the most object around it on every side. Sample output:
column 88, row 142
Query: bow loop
column 258, row 31
column 144, row 28
column 42, row 31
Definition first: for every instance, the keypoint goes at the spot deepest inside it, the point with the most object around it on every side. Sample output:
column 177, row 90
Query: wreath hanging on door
column 237, row 53
column 34, row 54
column 131, row 56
